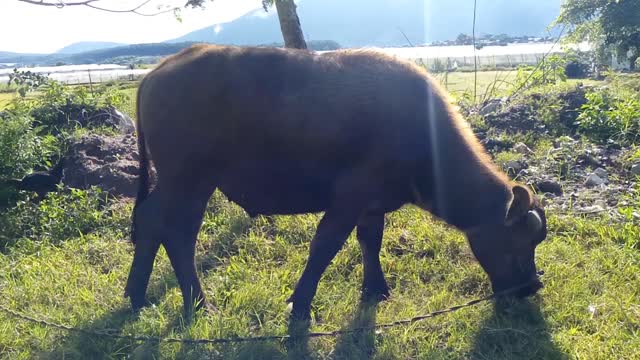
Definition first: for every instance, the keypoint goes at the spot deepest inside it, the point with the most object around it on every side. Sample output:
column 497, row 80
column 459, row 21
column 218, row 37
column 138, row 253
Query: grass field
column 588, row 309
column 488, row 82
column 5, row 98
column 67, row 259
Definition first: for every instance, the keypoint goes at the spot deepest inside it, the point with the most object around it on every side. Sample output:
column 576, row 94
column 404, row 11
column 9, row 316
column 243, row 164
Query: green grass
column 489, row 83
column 249, row 267
column 66, row 260
column 129, row 106
column 127, row 88
column 456, row 83
column 459, row 82
column 5, row 99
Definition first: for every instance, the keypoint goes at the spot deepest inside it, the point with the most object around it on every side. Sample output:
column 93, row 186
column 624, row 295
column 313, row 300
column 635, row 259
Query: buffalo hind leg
column 369, row 233
column 148, row 238
column 332, row 232
column 183, row 221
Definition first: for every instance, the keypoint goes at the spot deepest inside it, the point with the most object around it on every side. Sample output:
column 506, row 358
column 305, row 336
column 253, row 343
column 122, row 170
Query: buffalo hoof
column 139, row 304
column 376, row 293
column 299, row 312
column 208, row 308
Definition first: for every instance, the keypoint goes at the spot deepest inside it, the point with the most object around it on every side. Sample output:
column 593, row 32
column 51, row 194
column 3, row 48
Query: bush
column 607, row 117
column 58, row 217
column 61, row 108
column 576, row 70
column 578, row 65
column 27, row 81
column 549, row 71
column 438, row 66
column 20, row 148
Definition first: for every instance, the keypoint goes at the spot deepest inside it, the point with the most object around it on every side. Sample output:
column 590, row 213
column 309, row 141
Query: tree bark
column 290, row 24
column 632, row 61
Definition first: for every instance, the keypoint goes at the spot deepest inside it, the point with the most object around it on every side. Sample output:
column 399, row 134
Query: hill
column 349, row 24
column 84, row 46
column 381, row 23
column 126, row 54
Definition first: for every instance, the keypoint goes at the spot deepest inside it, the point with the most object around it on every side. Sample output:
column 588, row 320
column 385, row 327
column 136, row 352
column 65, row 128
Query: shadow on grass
column 359, row 345
column 516, row 329
column 77, row 345
column 513, row 330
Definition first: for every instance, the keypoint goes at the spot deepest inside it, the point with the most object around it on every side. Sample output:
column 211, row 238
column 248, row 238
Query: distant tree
column 464, row 39
column 287, row 16
column 608, row 24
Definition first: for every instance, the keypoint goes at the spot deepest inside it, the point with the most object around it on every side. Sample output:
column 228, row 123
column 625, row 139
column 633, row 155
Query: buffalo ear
column 520, row 205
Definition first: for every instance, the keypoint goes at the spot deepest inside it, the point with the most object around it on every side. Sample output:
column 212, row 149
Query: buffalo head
column 506, row 251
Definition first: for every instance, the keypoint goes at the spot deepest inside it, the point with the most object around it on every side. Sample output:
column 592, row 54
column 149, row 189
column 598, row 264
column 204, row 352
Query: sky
column 30, row 28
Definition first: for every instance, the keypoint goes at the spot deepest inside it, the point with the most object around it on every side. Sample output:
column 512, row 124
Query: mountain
column 84, row 46
column 383, row 22
column 121, row 54
column 352, row 23
column 7, row 57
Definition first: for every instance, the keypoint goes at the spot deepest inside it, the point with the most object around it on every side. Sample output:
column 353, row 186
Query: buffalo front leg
column 369, row 232
column 333, row 230
column 147, row 243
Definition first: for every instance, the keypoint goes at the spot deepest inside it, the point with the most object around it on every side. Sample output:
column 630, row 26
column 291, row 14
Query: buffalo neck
column 460, row 184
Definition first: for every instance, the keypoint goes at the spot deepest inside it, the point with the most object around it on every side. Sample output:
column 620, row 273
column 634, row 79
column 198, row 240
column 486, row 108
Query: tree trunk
column 632, row 61
column 290, row 24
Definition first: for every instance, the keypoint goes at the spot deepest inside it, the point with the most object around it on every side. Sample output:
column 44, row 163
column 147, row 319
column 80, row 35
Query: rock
column 514, row 167
column 588, row 160
column 114, row 118
column 600, row 203
column 635, row 170
column 513, row 164
column 522, row 149
column 563, row 141
column 85, row 115
column 602, row 173
column 492, row 144
column 593, row 209
column 491, row 107
column 548, row 186
column 108, row 162
column 613, row 145
column 564, row 171
column 594, row 180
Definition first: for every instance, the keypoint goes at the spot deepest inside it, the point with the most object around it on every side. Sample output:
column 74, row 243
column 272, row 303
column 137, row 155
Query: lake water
column 512, row 54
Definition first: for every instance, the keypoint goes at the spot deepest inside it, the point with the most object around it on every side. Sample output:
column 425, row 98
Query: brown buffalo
column 354, row 134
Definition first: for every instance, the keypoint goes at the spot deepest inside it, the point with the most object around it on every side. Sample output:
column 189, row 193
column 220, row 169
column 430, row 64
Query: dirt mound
column 108, row 162
column 572, row 102
column 513, row 116
column 514, row 119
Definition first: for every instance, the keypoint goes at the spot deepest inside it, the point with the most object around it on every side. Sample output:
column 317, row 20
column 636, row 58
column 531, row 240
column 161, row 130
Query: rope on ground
column 114, row 334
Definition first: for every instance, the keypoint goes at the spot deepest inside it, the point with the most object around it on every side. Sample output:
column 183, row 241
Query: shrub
column 27, row 81
column 58, row 217
column 549, row 71
column 20, row 147
column 607, row 117
column 576, row 70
